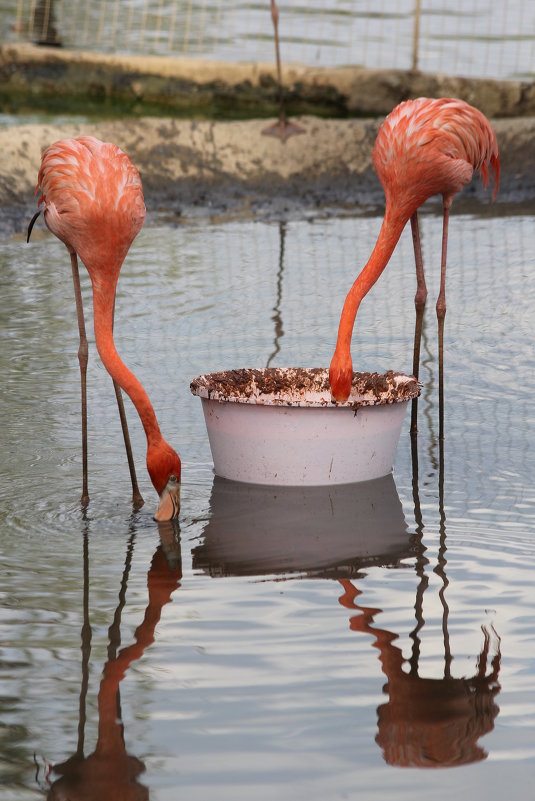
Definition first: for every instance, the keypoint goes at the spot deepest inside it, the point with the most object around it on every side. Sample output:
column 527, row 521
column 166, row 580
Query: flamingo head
column 341, row 375
column 164, row 467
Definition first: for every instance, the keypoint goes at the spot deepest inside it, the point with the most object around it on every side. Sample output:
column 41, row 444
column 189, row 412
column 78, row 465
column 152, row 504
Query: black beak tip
column 32, row 223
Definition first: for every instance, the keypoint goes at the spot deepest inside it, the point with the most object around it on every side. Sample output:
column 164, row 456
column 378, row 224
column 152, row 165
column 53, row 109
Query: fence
column 475, row 38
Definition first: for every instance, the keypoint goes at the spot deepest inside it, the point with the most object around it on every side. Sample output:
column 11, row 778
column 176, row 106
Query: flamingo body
column 93, row 202
column 424, row 147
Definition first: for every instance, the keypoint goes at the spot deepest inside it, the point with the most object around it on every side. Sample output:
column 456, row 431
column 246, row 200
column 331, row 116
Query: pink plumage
column 424, row 147
column 92, row 199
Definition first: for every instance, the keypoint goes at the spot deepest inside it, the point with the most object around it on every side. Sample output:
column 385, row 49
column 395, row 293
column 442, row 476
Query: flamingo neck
column 103, row 305
column 391, row 230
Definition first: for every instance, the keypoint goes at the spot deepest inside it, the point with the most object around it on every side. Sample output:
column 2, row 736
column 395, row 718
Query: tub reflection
column 257, row 530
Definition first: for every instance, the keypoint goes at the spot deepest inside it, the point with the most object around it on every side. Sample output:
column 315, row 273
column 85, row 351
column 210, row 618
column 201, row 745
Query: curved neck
column 103, row 305
column 391, row 230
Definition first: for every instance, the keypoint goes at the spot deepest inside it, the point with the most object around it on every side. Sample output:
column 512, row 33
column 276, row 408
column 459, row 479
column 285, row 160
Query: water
column 272, row 649
column 472, row 38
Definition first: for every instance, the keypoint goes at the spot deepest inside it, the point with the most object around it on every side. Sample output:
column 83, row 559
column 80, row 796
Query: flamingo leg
column 441, row 314
column 419, row 304
column 82, row 358
column 137, row 498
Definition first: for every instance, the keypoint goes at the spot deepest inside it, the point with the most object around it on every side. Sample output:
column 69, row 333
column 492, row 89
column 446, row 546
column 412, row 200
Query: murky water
column 306, row 644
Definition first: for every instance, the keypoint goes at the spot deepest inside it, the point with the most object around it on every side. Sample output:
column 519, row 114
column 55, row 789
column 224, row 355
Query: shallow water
column 277, row 618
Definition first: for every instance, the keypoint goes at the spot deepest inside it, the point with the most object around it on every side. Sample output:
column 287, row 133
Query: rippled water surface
column 297, row 644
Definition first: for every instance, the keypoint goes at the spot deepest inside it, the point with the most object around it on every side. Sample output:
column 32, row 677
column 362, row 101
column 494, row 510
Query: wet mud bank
column 198, row 169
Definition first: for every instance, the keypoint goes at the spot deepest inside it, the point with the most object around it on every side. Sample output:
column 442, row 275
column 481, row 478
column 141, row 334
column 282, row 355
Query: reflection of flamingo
column 277, row 317
column 429, row 722
column 110, row 772
column 93, row 202
column 282, row 128
column 424, row 147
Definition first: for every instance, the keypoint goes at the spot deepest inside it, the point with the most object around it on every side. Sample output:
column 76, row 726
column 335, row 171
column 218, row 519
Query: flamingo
column 424, row 147
column 92, row 199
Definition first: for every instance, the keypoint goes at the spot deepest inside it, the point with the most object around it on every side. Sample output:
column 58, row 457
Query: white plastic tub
column 280, row 426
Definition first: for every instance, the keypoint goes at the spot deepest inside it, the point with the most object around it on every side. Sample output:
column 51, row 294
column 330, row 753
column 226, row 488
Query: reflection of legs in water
column 109, row 772
column 421, row 560
column 484, row 655
column 429, row 722
column 162, row 580
column 277, row 319
column 71, row 765
column 440, row 568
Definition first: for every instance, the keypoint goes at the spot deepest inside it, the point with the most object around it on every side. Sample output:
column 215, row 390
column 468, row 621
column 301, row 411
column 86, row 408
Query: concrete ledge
column 153, row 84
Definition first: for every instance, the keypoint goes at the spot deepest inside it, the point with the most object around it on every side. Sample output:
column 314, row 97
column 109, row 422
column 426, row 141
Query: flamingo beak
column 32, row 223
column 169, row 505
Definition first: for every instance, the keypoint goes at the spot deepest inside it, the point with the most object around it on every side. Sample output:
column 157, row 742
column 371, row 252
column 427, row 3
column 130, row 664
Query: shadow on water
column 336, row 533
column 109, row 772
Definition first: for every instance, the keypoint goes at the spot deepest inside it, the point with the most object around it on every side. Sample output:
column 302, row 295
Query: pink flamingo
column 424, row 147
column 93, row 202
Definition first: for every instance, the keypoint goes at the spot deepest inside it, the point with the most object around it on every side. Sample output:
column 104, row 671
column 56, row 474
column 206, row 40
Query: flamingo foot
column 283, row 129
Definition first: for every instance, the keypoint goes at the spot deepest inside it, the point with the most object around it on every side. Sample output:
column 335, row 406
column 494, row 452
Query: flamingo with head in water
column 92, row 199
column 424, row 147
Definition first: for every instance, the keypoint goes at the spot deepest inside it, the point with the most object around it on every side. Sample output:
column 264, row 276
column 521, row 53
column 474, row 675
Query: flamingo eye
column 173, row 479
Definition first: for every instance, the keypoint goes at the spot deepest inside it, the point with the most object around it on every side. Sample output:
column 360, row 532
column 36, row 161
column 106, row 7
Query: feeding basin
column 280, row 426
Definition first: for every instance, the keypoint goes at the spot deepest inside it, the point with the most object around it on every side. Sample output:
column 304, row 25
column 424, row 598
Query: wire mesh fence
column 475, row 38
column 275, row 293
